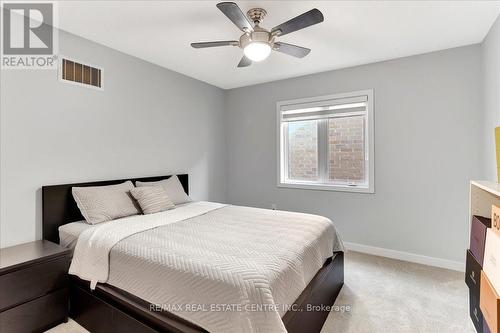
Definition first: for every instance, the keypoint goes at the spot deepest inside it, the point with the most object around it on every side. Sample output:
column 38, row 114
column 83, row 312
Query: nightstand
column 33, row 286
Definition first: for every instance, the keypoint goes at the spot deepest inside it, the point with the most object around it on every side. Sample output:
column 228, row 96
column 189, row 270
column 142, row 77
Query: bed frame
column 108, row 309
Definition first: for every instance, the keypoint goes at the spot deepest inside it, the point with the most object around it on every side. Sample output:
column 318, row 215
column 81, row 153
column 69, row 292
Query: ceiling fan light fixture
column 257, row 42
column 257, row 51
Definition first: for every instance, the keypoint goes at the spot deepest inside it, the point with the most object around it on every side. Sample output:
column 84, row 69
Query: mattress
column 69, row 233
column 224, row 268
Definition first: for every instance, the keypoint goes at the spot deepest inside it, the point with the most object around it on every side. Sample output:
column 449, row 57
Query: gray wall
column 147, row 121
column 491, row 87
column 427, row 133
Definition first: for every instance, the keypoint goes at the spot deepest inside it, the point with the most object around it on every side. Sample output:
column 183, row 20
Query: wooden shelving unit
column 483, row 194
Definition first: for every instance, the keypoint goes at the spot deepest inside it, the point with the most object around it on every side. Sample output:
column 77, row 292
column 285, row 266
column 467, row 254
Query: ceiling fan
column 258, row 42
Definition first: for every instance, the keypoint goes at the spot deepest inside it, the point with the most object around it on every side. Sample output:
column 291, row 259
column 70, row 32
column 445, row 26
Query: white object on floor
column 387, row 295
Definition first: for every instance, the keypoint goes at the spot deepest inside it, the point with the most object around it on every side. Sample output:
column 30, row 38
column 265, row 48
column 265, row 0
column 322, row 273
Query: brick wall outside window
column 345, row 149
column 346, row 160
column 303, row 150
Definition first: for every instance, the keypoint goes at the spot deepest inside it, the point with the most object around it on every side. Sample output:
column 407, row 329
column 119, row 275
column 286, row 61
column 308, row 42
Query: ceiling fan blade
column 244, row 62
column 293, row 50
column 314, row 16
column 234, row 13
column 215, row 44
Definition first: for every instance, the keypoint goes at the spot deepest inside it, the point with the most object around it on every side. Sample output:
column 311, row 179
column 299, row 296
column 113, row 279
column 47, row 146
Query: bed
column 233, row 267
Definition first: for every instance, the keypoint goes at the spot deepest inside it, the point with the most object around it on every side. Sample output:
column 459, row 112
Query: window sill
column 326, row 187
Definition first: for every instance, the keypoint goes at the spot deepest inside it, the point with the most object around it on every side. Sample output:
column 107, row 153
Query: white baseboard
column 406, row 256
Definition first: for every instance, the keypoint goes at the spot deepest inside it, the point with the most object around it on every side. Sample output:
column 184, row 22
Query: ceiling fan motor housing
column 258, row 35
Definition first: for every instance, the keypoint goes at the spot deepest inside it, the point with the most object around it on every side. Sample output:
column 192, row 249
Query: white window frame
column 322, row 184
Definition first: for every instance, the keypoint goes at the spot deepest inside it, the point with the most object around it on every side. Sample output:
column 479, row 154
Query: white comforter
column 224, row 268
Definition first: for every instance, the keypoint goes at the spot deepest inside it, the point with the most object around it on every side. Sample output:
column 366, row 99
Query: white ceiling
column 353, row 33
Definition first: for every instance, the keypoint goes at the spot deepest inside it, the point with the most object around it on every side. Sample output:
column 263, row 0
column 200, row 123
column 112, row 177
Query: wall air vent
column 81, row 74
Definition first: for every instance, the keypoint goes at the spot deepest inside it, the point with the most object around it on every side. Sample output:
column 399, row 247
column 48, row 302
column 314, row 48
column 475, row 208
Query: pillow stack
column 105, row 203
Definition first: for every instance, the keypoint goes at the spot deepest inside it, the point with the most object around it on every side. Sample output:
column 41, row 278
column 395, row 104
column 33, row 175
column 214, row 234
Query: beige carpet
column 389, row 296
column 395, row 296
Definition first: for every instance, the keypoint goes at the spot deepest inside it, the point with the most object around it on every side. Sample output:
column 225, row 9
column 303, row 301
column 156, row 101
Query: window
column 326, row 142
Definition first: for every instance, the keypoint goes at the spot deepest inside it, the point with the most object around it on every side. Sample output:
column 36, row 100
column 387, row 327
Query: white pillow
column 172, row 186
column 152, row 199
column 105, row 203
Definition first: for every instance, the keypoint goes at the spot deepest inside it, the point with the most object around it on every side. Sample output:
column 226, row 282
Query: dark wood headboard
column 59, row 207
